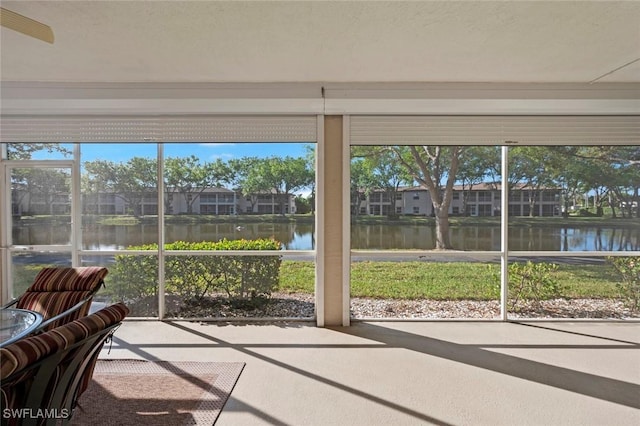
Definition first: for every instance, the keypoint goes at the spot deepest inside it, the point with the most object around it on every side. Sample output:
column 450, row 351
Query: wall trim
column 95, row 98
column 483, row 106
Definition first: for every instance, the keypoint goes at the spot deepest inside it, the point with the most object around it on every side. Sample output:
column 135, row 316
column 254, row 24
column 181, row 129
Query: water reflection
column 299, row 236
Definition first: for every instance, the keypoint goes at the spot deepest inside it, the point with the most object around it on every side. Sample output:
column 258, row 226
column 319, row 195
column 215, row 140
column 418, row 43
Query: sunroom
column 379, row 228
column 85, row 189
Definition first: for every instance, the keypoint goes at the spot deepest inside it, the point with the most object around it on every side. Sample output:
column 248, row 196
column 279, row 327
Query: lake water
column 299, row 236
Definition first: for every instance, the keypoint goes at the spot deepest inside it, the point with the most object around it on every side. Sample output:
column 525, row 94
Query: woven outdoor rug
column 134, row 392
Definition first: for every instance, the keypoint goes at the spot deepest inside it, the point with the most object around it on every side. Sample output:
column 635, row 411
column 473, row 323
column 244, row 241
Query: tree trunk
column 532, row 208
column 355, row 203
column 465, row 198
column 443, row 241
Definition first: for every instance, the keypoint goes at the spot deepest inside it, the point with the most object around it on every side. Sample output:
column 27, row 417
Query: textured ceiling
column 332, row 41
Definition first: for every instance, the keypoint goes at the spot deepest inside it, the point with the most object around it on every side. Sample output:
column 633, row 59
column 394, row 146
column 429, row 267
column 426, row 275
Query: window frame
column 75, row 248
column 376, row 136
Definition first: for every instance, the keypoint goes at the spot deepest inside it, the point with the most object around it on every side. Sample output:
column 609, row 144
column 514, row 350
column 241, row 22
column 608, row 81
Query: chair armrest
column 43, row 325
column 13, row 302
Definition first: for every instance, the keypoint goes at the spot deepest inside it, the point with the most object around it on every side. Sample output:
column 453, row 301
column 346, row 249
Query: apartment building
column 478, row 200
column 210, row 201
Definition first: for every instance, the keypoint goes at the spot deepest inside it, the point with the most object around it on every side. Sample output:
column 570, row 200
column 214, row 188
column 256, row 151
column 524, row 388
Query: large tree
column 310, row 158
column 477, row 164
column 25, row 151
column 285, row 176
column 280, row 176
column 376, row 169
column 362, row 183
column 567, row 173
column 434, row 168
column 189, row 177
column 243, row 179
column 43, row 186
column 132, row 181
column 613, row 175
column 529, row 169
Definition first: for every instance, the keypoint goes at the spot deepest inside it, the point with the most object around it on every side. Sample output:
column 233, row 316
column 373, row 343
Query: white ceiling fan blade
column 25, row 25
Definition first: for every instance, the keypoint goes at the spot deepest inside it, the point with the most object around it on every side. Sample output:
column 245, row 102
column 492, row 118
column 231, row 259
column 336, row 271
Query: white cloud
column 224, row 156
column 213, row 145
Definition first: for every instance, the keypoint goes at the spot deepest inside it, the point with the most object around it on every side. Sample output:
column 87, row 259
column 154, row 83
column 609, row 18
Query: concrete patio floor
column 410, row 373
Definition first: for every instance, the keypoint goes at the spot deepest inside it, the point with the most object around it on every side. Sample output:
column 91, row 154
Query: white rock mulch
column 302, row 305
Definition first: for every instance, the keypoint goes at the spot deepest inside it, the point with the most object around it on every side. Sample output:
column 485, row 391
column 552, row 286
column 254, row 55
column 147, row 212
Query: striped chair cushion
column 68, row 279
column 116, row 314
column 24, row 352
column 20, row 355
column 86, row 326
column 15, row 358
column 56, row 290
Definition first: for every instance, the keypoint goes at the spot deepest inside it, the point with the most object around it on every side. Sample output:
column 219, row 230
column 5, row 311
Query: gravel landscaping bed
column 473, row 309
column 302, row 306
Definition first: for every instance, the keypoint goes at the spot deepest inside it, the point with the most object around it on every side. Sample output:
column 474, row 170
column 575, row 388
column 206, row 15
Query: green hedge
column 134, row 277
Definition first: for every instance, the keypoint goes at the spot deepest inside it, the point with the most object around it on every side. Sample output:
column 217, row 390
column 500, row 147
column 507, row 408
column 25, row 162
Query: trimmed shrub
column 629, row 270
column 133, row 277
column 532, row 282
column 192, row 276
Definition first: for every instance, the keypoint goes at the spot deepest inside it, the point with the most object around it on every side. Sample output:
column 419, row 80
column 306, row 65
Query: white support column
column 76, row 208
column 346, row 222
column 5, row 212
column 504, row 237
column 319, row 213
column 160, row 254
column 332, row 250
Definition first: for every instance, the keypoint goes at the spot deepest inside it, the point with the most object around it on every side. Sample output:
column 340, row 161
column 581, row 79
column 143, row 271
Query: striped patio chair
column 61, row 295
column 41, row 375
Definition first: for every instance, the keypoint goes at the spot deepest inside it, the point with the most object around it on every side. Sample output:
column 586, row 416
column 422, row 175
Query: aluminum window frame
column 75, row 247
column 373, row 113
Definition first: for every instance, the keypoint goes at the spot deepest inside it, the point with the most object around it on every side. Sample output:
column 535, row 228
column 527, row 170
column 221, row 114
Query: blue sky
column 122, row 152
column 206, row 152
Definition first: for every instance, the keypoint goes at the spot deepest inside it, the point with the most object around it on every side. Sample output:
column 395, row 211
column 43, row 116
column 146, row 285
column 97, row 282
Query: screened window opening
column 427, row 254
column 565, row 217
column 204, row 198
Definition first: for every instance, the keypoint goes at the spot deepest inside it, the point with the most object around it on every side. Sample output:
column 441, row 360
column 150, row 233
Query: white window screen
column 161, row 129
column 495, row 130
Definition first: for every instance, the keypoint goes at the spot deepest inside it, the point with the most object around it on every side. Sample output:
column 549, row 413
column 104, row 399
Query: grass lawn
column 423, row 280
column 446, row 280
